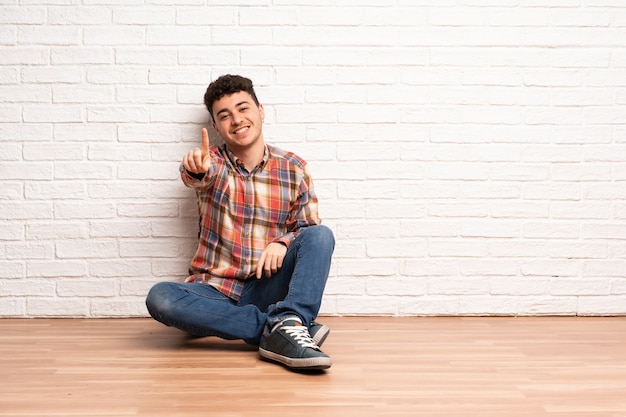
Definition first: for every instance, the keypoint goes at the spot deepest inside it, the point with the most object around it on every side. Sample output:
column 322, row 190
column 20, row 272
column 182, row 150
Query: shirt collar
column 238, row 163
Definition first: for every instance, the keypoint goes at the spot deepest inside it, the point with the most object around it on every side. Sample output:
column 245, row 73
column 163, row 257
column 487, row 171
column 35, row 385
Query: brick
column 57, row 307
column 181, row 35
column 429, row 306
column 120, row 228
column 220, row 15
column 8, row 75
column 149, row 133
column 403, row 286
column 114, row 36
column 34, row 250
column 396, row 248
column 136, row 287
column 65, row 94
column 367, row 189
column 52, row 152
column 144, row 56
column 179, row 114
column 456, row 210
column 367, row 305
column 366, row 267
column 555, row 268
column 20, row 15
column 80, row 209
column 83, row 170
column 150, row 248
column 11, row 231
column 173, row 228
column 48, row 35
column 601, row 306
column 144, row 210
column 55, row 269
column 148, row 95
column 178, row 75
column 118, row 114
column 86, row 288
column 490, row 228
column 54, row 114
column 100, row 132
column 12, row 307
column 345, row 286
column 148, row 171
column 551, row 191
column 509, row 286
column 464, row 172
column 27, row 94
column 46, row 190
column 117, row 268
column 11, row 270
column 85, row 249
column 56, row 230
column 576, row 210
column 23, row 55
column 116, row 76
column 548, row 306
column 604, row 268
column 119, row 307
column 578, row 287
column 10, row 152
column 21, row 210
column 12, row 191
column 551, row 230
column 143, row 16
column 170, row 268
column 488, row 306
column 81, row 55
column 27, row 287
column 79, row 15
column 10, row 114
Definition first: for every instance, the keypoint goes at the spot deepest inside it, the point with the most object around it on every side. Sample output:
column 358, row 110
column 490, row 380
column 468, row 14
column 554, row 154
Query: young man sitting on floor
column 263, row 256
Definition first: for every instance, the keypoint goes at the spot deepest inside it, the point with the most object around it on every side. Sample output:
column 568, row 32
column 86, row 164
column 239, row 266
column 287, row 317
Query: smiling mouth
column 241, row 130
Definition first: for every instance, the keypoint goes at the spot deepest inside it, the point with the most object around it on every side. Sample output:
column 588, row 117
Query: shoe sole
column 296, row 363
column 321, row 335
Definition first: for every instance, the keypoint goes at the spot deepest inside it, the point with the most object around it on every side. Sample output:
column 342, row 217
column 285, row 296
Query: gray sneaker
column 291, row 345
column 319, row 332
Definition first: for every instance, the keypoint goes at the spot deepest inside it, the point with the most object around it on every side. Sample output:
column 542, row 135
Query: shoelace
column 301, row 335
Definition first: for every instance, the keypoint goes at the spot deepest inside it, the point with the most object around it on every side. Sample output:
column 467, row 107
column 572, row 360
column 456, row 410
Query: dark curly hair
column 226, row 85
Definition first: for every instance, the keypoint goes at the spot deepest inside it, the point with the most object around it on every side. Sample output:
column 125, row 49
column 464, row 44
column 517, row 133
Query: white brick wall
column 470, row 155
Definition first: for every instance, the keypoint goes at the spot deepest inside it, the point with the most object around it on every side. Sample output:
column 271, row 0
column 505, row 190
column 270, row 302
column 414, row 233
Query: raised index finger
column 205, row 142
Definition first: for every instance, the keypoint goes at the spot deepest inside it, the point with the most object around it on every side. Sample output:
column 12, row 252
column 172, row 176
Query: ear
column 261, row 111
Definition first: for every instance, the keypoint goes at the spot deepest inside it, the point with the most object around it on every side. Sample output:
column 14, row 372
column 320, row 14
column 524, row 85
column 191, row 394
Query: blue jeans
column 296, row 289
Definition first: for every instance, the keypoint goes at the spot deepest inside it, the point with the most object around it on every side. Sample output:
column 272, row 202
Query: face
column 238, row 120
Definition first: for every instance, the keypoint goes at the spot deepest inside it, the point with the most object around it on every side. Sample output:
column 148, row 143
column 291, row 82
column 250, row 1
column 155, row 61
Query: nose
column 236, row 119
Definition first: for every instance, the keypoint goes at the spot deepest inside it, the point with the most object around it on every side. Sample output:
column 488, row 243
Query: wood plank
column 382, row 366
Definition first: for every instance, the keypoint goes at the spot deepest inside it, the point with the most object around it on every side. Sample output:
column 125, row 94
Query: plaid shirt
column 241, row 212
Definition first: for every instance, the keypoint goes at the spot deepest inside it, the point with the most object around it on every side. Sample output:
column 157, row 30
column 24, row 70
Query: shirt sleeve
column 304, row 211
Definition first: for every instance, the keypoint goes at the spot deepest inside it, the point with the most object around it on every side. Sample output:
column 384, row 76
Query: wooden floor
column 436, row 367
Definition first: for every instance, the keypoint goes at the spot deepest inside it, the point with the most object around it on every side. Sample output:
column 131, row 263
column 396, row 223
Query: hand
column 271, row 259
column 198, row 160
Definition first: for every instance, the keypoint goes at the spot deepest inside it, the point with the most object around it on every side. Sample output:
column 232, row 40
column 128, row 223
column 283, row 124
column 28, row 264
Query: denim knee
column 157, row 301
column 320, row 236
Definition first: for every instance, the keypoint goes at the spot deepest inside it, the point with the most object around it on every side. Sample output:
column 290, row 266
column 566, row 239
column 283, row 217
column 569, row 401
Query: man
column 263, row 256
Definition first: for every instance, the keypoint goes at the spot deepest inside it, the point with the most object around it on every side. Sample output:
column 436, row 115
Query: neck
column 251, row 157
